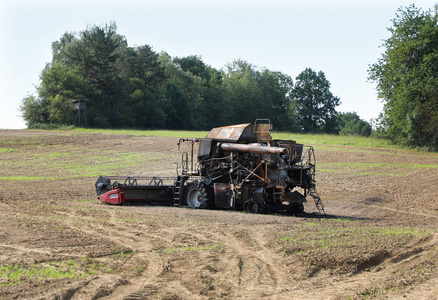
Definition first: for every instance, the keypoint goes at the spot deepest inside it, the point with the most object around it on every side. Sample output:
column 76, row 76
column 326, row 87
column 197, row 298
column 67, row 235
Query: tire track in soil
column 353, row 210
column 246, row 264
column 38, row 250
column 127, row 285
column 250, row 264
column 151, row 281
column 117, row 285
column 371, row 275
column 163, row 279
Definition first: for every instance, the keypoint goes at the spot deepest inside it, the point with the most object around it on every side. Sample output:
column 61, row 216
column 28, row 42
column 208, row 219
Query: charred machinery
column 237, row 167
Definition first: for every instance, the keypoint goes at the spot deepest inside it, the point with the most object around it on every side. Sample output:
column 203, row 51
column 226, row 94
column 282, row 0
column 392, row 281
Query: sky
column 342, row 38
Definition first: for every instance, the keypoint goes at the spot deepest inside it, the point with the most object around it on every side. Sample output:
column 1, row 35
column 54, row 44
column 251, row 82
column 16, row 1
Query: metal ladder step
column 177, row 192
column 318, row 202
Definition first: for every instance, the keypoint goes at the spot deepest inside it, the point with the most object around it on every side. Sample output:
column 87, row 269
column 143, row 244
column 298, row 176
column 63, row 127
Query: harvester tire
column 297, row 208
column 255, row 205
column 198, row 195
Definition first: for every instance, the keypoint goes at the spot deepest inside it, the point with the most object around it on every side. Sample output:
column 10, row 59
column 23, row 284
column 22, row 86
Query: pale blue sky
column 340, row 38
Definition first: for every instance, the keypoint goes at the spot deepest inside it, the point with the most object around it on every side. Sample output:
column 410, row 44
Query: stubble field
column 57, row 241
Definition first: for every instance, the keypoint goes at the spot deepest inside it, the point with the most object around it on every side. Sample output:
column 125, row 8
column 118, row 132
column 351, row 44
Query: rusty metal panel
column 231, row 133
column 223, row 195
column 262, row 132
column 204, row 150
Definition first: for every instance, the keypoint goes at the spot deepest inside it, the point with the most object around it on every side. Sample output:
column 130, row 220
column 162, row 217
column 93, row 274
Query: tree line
column 407, row 79
column 135, row 87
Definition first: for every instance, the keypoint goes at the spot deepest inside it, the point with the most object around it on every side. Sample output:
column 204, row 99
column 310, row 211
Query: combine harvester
column 238, row 167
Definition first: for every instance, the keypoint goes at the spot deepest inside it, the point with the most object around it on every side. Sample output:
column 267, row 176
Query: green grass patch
column 51, row 178
column 83, row 200
column 8, row 150
column 108, row 164
column 308, row 139
column 70, row 165
column 390, row 151
column 401, row 231
column 27, row 178
column 325, row 170
column 45, row 156
column 136, row 132
column 310, row 224
column 335, row 140
column 15, row 274
column 195, row 248
column 419, row 166
column 379, row 174
column 378, row 165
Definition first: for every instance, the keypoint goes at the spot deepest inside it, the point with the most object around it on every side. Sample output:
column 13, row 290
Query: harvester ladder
column 177, row 195
column 318, row 202
column 185, row 163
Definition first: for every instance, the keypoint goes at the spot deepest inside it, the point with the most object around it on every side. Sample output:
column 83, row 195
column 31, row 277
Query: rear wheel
column 296, row 208
column 255, row 205
column 198, row 195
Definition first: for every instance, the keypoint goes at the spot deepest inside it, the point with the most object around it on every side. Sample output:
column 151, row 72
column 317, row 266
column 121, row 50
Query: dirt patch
column 57, row 240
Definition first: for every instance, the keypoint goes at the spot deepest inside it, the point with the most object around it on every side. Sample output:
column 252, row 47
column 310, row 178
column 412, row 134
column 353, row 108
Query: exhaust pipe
column 254, row 149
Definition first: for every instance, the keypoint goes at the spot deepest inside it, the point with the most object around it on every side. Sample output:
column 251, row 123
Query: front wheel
column 198, row 195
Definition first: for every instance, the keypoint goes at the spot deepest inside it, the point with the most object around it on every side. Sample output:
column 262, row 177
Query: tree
column 192, row 64
column 276, row 89
column 351, row 124
column 136, row 87
column 315, row 103
column 407, row 79
column 143, row 107
column 144, row 64
column 59, row 78
column 176, row 107
column 212, row 110
column 244, row 100
column 33, row 111
column 96, row 54
column 254, row 93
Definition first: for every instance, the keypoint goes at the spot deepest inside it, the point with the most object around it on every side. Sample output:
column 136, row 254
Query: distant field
column 308, row 139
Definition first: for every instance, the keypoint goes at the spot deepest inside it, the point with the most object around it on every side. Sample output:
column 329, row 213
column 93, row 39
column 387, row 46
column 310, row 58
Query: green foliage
column 351, row 124
column 316, row 105
column 177, row 107
column 253, row 94
column 57, row 110
column 407, row 79
column 33, row 111
column 134, row 87
column 60, row 109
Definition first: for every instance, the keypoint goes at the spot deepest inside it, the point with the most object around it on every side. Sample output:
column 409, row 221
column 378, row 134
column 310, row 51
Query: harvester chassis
column 238, row 167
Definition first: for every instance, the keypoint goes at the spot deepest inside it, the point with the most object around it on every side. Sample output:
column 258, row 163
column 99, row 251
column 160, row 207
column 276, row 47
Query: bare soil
column 57, row 241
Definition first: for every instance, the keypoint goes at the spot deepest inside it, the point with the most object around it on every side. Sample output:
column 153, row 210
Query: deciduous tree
column 315, row 103
column 351, row 124
column 407, row 78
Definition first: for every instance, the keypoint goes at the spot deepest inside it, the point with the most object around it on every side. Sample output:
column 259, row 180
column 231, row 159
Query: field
column 57, row 241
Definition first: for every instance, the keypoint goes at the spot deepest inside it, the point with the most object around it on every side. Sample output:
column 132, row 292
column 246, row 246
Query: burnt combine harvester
column 238, row 167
